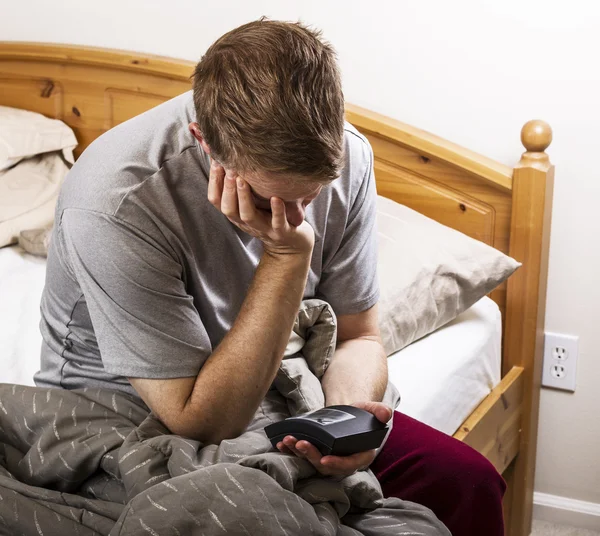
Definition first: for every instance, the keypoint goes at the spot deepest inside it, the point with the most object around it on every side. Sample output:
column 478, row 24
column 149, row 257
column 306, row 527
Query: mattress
column 441, row 377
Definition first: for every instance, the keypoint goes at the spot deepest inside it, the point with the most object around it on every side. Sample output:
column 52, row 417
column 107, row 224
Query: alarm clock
column 337, row 430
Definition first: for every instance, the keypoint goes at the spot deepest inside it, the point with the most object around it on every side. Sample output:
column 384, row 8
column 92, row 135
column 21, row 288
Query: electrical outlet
column 560, row 361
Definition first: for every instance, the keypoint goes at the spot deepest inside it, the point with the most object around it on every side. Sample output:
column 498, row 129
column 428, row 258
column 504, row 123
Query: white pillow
column 429, row 273
column 24, row 134
column 28, row 194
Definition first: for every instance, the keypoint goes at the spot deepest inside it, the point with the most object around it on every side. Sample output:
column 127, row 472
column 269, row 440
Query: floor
column 542, row 528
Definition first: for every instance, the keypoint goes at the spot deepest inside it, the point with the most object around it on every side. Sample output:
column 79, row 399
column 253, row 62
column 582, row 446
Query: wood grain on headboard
column 91, row 90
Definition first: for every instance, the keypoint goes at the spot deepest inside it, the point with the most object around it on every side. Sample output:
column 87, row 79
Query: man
column 186, row 238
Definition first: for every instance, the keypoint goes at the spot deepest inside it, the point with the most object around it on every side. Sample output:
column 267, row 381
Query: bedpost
column 533, row 180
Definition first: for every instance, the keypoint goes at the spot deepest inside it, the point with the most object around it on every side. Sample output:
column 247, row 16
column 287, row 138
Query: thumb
column 378, row 409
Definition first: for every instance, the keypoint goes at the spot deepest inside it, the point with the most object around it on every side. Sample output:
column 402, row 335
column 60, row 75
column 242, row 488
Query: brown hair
column 268, row 97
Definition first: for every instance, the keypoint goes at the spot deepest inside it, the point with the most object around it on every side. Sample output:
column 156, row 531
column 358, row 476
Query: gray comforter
column 89, row 462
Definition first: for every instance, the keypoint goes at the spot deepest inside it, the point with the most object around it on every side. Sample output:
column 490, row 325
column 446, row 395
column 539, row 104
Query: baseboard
column 565, row 511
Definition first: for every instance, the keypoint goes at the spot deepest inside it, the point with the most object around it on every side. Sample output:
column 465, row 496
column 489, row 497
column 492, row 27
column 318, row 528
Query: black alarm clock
column 337, row 430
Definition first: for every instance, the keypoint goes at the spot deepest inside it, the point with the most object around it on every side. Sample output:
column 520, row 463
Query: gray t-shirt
column 145, row 277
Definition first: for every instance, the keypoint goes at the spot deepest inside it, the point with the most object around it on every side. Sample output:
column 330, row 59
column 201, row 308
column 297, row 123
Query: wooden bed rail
column 494, row 428
column 533, row 183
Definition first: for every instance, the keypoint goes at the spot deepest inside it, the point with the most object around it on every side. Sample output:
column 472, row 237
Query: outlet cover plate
column 561, row 350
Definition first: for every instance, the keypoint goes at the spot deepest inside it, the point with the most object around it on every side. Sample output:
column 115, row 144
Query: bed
column 93, row 90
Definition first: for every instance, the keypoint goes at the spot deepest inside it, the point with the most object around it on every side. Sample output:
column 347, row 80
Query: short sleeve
column 145, row 322
column 349, row 280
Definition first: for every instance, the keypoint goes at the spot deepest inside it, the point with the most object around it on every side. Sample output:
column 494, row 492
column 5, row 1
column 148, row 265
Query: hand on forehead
column 289, row 189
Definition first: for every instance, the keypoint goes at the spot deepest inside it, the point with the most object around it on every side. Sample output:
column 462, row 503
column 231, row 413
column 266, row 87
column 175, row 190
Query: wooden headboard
column 93, row 90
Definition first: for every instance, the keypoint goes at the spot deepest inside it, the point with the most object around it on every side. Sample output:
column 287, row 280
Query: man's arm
column 349, row 283
column 358, row 371
column 220, row 402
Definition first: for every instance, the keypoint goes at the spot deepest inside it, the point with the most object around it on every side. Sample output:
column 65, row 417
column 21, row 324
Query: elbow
column 222, row 435
column 204, row 432
column 215, row 436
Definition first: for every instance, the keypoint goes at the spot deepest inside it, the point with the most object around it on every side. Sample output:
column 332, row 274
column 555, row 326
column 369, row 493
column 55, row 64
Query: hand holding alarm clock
column 334, row 430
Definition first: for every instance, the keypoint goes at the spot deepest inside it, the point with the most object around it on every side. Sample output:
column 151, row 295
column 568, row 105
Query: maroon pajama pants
column 428, row 467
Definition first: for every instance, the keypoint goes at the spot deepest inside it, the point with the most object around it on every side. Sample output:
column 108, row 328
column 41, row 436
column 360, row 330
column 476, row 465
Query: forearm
column 236, row 377
column 358, row 372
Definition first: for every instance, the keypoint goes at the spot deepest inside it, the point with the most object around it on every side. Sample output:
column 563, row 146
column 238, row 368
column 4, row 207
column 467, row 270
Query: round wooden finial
column 536, row 136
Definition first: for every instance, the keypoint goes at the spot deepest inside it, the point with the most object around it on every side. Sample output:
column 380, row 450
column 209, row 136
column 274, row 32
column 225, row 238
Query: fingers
column 346, row 465
column 379, row 409
column 247, row 208
column 283, row 449
column 229, row 198
column 278, row 216
column 232, row 195
column 215, row 184
column 339, row 466
column 303, row 449
column 310, row 452
column 290, row 443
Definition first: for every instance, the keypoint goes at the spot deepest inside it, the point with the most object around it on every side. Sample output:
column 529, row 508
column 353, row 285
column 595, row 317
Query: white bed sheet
column 443, row 377
column 22, row 279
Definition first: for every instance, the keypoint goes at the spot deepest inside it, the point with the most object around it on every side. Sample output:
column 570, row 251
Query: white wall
column 472, row 71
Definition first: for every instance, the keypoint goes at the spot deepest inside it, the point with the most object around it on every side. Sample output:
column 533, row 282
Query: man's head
column 270, row 108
